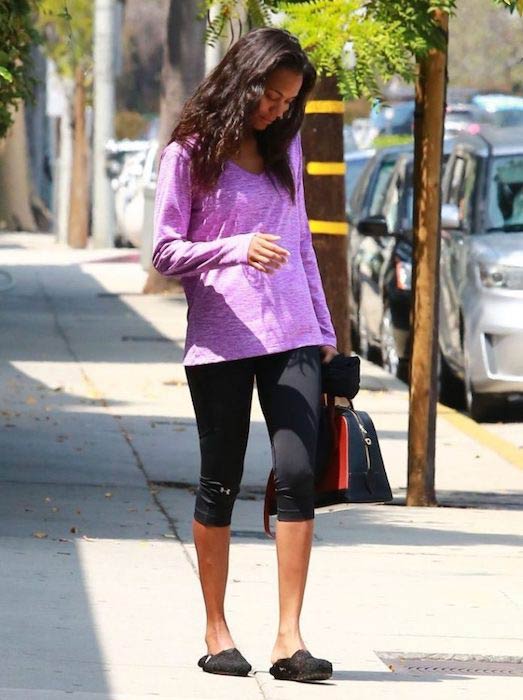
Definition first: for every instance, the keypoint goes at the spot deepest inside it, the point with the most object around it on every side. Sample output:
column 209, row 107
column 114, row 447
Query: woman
column 230, row 222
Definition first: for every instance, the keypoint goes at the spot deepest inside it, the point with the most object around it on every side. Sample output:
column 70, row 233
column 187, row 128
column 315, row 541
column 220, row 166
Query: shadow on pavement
column 66, row 314
column 48, row 636
column 68, row 475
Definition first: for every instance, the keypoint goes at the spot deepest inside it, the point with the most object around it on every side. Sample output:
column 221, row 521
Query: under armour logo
column 224, row 490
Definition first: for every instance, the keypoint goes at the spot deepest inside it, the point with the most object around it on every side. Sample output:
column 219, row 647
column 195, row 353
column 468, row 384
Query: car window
column 467, row 192
column 391, row 204
column 507, row 117
column 505, row 193
column 456, row 181
column 461, row 186
column 353, row 171
column 355, row 203
column 380, row 187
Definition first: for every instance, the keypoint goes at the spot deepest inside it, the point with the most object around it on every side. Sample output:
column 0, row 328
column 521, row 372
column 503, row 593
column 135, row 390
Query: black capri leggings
column 289, row 385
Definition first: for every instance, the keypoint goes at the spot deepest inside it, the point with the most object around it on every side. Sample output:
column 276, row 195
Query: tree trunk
column 79, row 208
column 428, row 135
column 62, row 170
column 15, row 188
column 183, row 62
column 183, row 69
column 325, row 195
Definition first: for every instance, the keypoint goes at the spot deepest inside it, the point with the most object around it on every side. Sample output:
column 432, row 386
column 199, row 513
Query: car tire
column 479, row 406
column 450, row 388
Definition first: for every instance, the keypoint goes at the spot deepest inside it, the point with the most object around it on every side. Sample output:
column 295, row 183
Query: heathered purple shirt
column 234, row 310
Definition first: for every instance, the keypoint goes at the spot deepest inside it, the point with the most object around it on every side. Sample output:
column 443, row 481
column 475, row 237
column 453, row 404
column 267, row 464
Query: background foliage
column 385, row 37
column 67, row 28
column 17, row 35
column 483, row 59
column 363, row 43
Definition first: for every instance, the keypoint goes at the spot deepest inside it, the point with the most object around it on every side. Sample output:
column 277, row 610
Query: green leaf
column 6, row 75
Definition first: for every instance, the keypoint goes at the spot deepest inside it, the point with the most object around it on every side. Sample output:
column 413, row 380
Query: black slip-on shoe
column 301, row 666
column 227, row 663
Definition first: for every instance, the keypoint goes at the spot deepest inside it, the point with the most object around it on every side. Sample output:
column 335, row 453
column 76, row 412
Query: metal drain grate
column 452, row 665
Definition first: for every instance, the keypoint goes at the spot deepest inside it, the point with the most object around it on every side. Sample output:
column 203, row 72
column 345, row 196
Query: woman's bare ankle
column 218, row 637
column 286, row 644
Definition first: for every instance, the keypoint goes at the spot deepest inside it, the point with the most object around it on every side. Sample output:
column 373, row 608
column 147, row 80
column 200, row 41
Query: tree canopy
column 364, row 43
column 17, row 36
column 67, row 29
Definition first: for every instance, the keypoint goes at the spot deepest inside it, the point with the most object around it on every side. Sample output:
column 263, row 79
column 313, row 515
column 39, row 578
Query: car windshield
column 394, row 119
column 505, row 194
column 507, row 117
column 353, row 169
column 380, row 187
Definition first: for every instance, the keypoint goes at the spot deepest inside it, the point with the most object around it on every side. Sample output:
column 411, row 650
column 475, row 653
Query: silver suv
column 481, row 294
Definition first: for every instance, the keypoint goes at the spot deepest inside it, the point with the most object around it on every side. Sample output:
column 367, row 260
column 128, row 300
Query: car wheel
column 389, row 354
column 479, row 406
column 450, row 388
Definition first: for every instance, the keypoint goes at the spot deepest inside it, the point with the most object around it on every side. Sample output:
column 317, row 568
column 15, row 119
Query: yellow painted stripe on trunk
column 324, row 107
column 476, row 431
column 325, row 168
column 332, row 228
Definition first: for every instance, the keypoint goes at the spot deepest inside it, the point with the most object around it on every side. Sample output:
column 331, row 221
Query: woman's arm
column 173, row 254
column 310, row 262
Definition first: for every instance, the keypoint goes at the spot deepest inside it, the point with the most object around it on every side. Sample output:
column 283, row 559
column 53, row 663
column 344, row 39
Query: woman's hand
column 265, row 255
column 327, row 352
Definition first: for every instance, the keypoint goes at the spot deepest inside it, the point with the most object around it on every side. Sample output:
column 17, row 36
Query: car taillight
column 403, row 275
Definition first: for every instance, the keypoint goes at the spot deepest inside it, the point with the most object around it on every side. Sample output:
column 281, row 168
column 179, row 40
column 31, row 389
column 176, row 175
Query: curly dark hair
column 213, row 120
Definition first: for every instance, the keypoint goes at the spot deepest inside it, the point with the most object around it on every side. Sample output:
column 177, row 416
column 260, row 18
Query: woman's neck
column 248, row 156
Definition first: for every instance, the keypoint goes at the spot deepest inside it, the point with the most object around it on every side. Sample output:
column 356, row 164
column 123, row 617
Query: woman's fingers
column 266, row 256
column 274, row 248
column 258, row 266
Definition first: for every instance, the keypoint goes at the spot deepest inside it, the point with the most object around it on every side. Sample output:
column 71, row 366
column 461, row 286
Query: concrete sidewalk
column 99, row 596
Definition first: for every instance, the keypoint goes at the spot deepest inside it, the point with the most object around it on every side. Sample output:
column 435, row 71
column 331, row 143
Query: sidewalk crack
column 102, row 401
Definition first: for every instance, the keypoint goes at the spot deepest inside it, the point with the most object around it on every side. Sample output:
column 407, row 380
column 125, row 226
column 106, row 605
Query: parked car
column 117, row 153
column 502, row 110
column 396, row 118
column 463, row 116
column 481, row 318
column 481, row 272
column 383, row 268
column 366, row 200
column 137, row 171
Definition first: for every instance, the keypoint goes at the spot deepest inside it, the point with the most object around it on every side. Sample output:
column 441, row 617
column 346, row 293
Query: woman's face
column 281, row 88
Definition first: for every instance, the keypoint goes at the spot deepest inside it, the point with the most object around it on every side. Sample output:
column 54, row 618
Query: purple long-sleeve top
column 234, row 310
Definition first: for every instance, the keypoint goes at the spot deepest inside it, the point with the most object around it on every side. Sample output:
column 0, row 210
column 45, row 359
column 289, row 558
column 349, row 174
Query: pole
column 79, row 197
column 103, row 217
column 324, row 184
column 428, row 151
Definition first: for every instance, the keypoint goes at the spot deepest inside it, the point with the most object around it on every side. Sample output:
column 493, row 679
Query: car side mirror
column 450, row 218
column 374, row 226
